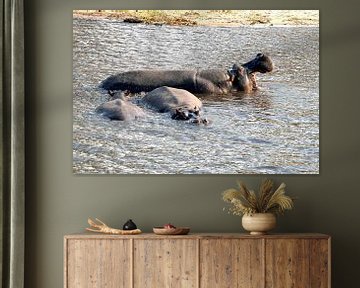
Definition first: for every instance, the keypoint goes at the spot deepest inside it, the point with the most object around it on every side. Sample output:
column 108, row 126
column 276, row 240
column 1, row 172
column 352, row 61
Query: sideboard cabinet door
column 320, row 263
column 165, row 263
column 231, row 263
column 98, row 263
column 297, row 263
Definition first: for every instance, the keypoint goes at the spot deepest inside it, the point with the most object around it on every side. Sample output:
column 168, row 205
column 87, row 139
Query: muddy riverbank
column 224, row 18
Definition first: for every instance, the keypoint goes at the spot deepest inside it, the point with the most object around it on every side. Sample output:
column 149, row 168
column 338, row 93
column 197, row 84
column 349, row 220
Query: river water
column 272, row 131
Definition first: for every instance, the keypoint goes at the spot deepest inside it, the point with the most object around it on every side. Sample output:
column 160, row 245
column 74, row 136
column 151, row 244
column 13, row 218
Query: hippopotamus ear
column 238, row 70
column 235, row 67
column 232, row 73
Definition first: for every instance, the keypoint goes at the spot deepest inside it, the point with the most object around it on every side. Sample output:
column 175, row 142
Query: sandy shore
column 208, row 17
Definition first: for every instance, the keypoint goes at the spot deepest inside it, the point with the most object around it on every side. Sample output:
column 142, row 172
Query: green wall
column 58, row 203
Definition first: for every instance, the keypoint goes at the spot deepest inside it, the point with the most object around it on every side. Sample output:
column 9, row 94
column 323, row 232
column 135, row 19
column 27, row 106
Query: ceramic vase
column 259, row 223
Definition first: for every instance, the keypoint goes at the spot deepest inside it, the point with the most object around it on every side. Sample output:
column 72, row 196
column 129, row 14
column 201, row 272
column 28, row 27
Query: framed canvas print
column 195, row 92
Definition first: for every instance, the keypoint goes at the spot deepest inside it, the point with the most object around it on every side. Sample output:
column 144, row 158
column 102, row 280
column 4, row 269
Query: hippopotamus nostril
column 200, row 121
column 205, row 121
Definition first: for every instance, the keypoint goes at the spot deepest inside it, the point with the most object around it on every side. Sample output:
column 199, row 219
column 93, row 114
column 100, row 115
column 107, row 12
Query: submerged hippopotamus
column 181, row 104
column 120, row 109
column 207, row 81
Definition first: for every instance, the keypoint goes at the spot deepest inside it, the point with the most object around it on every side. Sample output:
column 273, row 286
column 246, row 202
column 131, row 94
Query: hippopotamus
column 198, row 81
column 181, row 104
column 120, row 109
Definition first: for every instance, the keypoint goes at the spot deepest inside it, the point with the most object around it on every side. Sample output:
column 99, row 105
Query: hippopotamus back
column 166, row 99
column 147, row 80
column 181, row 104
column 120, row 109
